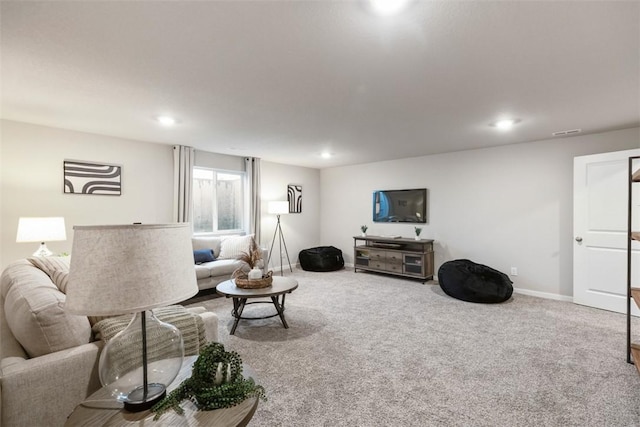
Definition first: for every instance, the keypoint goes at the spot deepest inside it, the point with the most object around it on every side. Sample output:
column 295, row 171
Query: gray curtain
column 183, row 158
column 252, row 168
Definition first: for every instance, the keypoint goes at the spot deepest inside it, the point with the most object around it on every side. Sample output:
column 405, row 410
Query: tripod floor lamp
column 279, row 208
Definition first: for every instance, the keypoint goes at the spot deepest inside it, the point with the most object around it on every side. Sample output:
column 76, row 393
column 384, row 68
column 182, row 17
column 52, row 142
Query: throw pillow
column 201, row 256
column 49, row 264
column 232, row 247
column 57, row 268
column 191, row 326
column 207, row 242
column 60, row 279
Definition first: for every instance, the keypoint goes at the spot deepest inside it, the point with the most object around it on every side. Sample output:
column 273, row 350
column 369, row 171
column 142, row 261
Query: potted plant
column 364, row 229
column 216, row 382
column 418, row 231
column 251, row 274
column 253, row 257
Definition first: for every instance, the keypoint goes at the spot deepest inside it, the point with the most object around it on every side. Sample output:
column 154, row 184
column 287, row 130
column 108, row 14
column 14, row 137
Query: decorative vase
column 364, row 234
column 121, row 371
column 255, row 274
column 417, row 237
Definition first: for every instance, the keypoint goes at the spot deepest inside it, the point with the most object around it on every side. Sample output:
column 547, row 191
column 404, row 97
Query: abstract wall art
column 294, row 197
column 82, row 177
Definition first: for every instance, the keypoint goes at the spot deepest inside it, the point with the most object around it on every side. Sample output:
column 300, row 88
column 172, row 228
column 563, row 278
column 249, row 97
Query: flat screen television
column 400, row 205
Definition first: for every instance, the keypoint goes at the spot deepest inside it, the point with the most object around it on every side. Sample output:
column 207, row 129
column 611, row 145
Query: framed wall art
column 294, row 197
column 82, row 177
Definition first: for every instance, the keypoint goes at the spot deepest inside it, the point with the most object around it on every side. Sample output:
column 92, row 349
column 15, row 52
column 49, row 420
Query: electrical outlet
column 514, row 271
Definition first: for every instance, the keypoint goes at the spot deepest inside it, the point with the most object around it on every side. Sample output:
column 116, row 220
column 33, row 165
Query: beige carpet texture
column 371, row 350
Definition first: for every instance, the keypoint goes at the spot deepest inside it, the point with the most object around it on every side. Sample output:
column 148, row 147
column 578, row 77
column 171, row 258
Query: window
column 218, row 201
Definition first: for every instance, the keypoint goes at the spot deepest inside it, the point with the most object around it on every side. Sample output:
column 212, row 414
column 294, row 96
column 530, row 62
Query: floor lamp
column 279, row 208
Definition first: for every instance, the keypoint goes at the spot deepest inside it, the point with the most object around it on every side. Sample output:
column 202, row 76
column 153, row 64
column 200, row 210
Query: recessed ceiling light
column 505, row 123
column 325, row 155
column 166, row 120
column 388, row 7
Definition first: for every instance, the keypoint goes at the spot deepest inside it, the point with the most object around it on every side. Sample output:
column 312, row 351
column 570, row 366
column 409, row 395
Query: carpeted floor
column 371, row 350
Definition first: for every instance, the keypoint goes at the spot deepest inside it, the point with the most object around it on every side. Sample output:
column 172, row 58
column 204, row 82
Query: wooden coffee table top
column 100, row 409
column 280, row 285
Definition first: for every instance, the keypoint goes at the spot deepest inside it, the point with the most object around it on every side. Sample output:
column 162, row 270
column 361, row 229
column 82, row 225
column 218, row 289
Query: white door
column 600, row 198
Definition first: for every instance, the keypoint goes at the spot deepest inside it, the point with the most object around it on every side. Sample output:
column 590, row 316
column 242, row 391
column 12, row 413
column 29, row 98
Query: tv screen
column 400, row 205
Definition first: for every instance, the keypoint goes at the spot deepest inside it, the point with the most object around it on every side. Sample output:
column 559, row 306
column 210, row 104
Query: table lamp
column 124, row 269
column 50, row 229
column 279, row 208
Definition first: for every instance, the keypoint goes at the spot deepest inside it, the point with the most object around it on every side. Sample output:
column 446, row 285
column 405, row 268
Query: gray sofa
column 226, row 249
column 48, row 358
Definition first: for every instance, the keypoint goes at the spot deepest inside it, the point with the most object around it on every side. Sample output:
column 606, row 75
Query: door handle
column 578, row 239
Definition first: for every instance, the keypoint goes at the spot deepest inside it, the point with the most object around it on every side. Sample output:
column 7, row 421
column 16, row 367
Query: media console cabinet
column 400, row 256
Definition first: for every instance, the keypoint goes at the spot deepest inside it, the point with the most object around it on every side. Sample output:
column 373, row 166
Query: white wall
column 508, row 206
column 504, row 206
column 32, row 159
column 301, row 230
column 219, row 161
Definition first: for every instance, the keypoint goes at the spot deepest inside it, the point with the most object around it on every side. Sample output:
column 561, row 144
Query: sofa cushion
column 207, row 242
column 224, row 266
column 203, row 270
column 219, row 267
column 34, row 310
column 233, row 246
column 201, row 256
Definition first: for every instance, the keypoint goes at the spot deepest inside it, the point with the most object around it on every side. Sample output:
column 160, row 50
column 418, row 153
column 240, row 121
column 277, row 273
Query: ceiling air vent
column 566, row 132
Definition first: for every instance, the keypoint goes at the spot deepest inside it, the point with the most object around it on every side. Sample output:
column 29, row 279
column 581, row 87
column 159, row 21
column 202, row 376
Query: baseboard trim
column 286, row 268
column 545, row 295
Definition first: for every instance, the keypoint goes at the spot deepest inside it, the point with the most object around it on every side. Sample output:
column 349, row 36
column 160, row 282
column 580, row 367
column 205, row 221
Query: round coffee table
column 100, row 409
column 276, row 292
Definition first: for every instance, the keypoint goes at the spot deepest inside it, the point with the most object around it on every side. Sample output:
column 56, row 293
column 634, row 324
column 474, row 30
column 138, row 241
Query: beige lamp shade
column 278, row 207
column 43, row 229
column 118, row 269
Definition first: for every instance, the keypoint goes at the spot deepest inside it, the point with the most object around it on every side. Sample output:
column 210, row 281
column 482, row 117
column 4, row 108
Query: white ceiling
column 285, row 80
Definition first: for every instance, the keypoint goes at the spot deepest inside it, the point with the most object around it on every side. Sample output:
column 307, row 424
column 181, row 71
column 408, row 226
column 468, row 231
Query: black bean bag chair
column 321, row 258
column 468, row 281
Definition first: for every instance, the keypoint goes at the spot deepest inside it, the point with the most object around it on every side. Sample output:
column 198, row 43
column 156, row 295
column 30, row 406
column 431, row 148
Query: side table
column 100, row 409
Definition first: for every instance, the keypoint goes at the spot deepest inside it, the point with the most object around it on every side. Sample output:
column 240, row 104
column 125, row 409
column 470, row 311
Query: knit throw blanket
column 127, row 356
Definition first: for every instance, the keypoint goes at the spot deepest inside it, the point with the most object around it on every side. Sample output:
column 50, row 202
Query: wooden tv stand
column 399, row 256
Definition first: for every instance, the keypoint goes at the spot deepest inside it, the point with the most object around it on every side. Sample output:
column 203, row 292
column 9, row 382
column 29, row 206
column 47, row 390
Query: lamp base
column 127, row 363
column 43, row 251
column 136, row 401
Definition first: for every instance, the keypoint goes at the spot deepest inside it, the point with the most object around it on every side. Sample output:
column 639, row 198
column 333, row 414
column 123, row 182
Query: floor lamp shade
column 132, row 269
column 42, row 229
column 278, row 207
